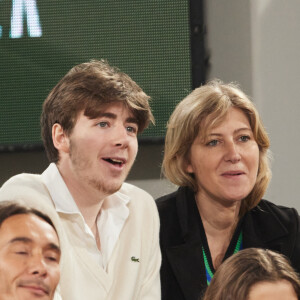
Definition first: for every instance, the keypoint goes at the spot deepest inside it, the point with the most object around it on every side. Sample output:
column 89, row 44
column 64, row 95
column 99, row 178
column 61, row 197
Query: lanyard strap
column 209, row 273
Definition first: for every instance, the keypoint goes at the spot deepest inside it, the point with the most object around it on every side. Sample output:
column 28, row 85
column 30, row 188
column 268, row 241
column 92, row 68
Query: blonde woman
column 216, row 151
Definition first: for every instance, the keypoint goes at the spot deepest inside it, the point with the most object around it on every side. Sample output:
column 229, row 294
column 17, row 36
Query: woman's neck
column 219, row 222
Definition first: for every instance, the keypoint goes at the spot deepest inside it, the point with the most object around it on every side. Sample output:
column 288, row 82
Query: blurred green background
column 149, row 40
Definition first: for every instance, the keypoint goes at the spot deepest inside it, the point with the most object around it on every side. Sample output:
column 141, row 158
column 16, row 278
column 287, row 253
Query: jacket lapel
column 262, row 229
column 188, row 256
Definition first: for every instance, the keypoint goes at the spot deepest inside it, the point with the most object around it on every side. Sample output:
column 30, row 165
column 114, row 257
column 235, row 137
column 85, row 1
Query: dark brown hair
column 88, row 87
column 9, row 209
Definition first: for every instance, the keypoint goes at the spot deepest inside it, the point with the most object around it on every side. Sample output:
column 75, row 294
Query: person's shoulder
column 282, row 213
column 166, row 201
column 271, row 206
column 141, row 205
column 139, row 199
column 29, row 189
column 134, row 192
column 23, row 179
column 25, row 186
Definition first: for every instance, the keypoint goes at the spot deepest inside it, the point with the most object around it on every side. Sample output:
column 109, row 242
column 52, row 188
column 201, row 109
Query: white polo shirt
column 110, row 221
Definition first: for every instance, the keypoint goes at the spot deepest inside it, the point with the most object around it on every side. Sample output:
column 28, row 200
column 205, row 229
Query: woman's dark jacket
column 183, row 274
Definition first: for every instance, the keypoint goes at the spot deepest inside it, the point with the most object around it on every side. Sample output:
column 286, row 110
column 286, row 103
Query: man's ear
column 60, row 139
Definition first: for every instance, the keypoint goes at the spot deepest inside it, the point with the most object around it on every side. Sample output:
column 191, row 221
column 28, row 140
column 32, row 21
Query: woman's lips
column 233, row 173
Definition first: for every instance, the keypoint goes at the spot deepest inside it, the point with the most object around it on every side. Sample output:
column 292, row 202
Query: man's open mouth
column 115, row 161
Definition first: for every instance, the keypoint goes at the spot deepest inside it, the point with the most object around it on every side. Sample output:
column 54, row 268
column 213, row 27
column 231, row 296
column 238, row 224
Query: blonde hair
column 212, row 100
column 235, row 277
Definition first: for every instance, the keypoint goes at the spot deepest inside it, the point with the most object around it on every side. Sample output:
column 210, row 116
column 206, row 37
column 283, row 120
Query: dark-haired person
column 216, row 151
column 90, row 122
column 254, row 274
column 29, row 254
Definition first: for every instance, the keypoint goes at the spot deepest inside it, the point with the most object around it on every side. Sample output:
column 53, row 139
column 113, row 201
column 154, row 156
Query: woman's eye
column 244, row 138
column 212, row 143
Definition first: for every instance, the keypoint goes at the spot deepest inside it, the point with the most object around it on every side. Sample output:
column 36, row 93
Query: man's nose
column 120, row 137
column 37, row 266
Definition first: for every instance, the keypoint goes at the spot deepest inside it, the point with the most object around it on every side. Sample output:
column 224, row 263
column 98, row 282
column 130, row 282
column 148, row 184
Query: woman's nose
column 232, row 152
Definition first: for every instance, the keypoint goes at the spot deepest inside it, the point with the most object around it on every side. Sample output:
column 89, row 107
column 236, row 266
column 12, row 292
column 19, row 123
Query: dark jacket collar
column 188, row 256
column 261, row 228
column 260, row 223
column 185, row 203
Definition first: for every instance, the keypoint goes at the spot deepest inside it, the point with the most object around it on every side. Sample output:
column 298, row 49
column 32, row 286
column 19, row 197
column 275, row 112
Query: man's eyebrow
column 107, row 115
column 132, row 120
column 26, row 240
column 21, row 239
column 114, row 116
column 54, row 247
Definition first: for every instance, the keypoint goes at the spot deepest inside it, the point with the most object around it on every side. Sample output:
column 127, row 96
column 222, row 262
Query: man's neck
column 88, row 199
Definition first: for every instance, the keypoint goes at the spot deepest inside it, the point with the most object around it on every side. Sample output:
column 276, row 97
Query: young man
column 29, row 254
column 90, row 122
